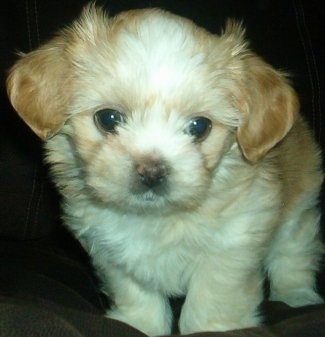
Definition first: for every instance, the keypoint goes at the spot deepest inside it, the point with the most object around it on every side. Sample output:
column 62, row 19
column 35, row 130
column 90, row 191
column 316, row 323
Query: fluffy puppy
column 184, row 166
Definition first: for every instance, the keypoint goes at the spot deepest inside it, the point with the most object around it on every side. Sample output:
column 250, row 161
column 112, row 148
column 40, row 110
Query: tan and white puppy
column 184, row 166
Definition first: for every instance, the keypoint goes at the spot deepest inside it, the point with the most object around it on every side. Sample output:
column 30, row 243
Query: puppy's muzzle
column 152, row 173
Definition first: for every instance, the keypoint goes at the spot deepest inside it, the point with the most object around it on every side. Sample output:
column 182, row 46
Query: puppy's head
column 149, row 104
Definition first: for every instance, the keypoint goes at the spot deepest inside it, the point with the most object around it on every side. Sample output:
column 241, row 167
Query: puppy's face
column 148, row 157
column 150, row 104
column 148, row 121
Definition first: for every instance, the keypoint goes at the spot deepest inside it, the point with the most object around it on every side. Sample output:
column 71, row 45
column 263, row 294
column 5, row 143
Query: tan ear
column 39, row 85
column 268, row 106
column 37, row 88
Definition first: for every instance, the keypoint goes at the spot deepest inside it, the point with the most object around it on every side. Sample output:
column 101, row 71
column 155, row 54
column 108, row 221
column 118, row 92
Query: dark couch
column 47, row 287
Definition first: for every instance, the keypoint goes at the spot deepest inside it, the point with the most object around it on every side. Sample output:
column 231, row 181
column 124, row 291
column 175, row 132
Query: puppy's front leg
column 221, row 298
column 143, row 308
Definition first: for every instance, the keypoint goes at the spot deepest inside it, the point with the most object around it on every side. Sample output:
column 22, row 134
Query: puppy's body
column 167, row 202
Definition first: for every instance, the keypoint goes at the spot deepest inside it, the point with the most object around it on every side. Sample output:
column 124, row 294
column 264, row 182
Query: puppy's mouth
column 150, row 180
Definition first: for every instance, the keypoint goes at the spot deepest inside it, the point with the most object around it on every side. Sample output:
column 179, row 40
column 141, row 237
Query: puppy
column 184, row 166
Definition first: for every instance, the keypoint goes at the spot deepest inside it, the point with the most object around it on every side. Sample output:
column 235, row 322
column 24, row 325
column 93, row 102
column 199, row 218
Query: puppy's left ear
column 268, row 105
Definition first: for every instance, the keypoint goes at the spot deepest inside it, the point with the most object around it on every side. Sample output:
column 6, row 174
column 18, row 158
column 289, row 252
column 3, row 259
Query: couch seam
column 311, row 62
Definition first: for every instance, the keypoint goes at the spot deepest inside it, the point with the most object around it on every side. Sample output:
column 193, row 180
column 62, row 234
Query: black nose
column 152, row 173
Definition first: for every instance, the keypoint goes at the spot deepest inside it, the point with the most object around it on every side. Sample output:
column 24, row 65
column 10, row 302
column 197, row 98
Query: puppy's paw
column 146, row 323
column 227, row 318
column 187, row 327
column 298, row 297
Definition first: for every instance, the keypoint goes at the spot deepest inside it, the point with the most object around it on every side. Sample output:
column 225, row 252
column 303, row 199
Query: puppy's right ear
column 38, row 88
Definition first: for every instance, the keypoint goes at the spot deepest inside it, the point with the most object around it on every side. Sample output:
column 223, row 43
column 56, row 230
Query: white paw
column 151, row 326
column 298, row 297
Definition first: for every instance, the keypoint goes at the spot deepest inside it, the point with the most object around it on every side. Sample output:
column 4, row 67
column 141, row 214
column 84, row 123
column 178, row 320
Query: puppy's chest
column 159, row 252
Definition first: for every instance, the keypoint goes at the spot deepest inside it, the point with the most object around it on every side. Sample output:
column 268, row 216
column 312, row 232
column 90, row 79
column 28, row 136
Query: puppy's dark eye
column 108, row 119
column 198, row 128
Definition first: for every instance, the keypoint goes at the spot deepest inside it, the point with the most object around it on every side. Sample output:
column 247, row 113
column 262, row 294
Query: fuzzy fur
column 237, row 206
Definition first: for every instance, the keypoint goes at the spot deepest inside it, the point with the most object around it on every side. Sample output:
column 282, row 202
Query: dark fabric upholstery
column 47, row 286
